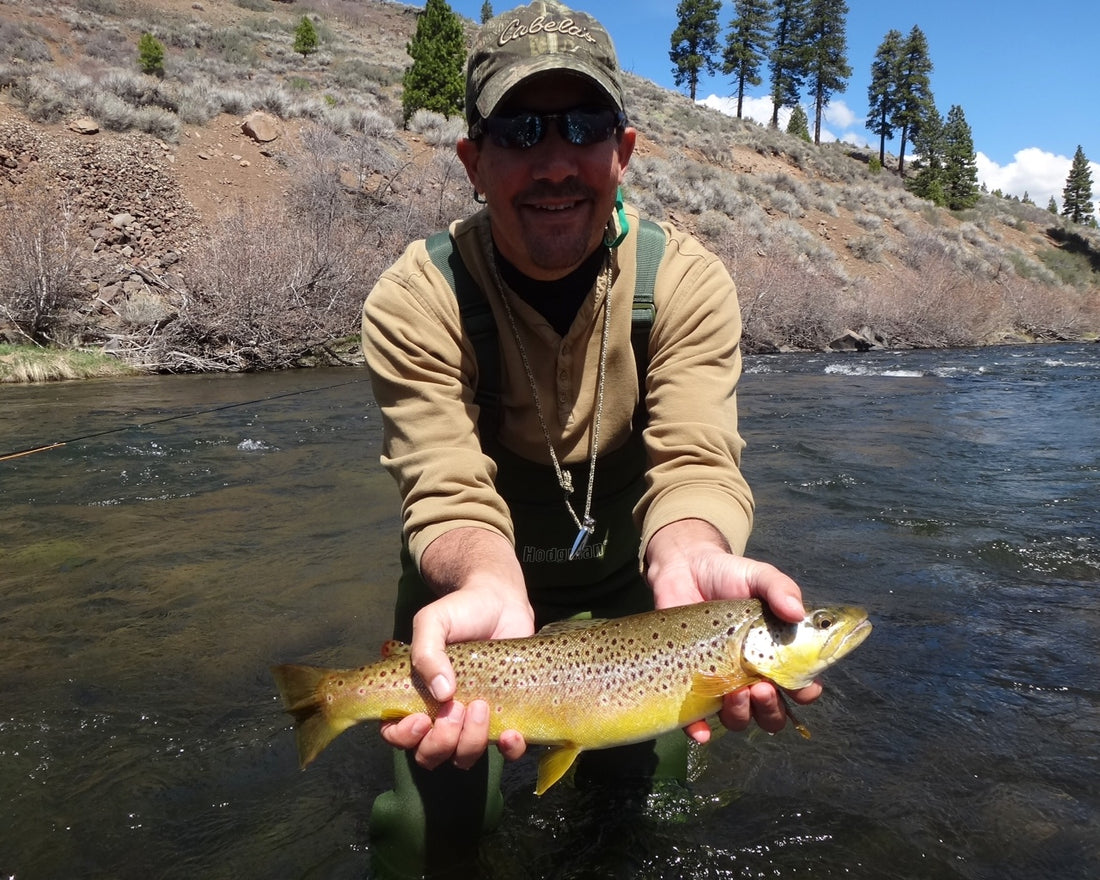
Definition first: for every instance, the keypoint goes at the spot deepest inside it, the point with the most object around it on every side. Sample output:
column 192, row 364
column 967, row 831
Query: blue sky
column 1025, row 75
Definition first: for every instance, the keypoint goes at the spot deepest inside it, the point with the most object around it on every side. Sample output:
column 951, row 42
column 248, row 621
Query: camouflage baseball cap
column 541, row 37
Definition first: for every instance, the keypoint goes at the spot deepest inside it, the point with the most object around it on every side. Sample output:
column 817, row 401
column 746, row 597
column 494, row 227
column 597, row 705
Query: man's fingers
column 698, row 731
column 760, row 703
column 429, row 657
column 439, row 743
column 778, row 591
column 473, row 738
column 512, row 745
column 408, row 732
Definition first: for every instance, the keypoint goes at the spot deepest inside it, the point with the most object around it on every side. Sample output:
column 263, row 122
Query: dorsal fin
column 570, row 624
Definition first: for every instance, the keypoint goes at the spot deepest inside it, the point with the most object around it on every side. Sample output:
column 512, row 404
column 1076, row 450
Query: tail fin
column 299, row 686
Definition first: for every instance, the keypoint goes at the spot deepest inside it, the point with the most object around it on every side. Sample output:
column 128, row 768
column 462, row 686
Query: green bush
column 151, row 55
column 305, row 37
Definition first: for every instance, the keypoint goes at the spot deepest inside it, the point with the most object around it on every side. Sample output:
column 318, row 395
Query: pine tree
column 827, row 69
column 1077, row 194
column 799, row 124
column 746, row 44
column 151, row 55
column 960, row 165
column 436, row 79
column 695, row 42
column 787, row 62
column 1052, row 205
column 929, row 149
column 486, row 11
column 305, row 37
column 914, row 89
column 882, row 92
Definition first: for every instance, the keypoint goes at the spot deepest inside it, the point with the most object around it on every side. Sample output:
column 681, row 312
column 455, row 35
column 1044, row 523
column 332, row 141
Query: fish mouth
column 846, row 637
column 855, row 638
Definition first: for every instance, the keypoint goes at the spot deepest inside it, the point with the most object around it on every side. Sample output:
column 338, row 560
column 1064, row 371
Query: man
column 576, row 485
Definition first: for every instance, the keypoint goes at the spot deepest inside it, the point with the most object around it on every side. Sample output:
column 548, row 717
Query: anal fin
column 554, row 764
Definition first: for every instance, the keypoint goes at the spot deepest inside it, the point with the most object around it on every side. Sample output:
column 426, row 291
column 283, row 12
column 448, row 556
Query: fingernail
column 478, row 712
column 440, row 687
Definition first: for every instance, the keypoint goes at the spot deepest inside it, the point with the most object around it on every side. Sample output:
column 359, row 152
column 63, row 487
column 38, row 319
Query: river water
column 150, row 574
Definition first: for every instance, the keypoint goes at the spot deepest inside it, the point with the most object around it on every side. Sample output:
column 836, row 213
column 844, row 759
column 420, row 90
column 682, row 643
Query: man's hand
column 484, row 598
column 689, row 561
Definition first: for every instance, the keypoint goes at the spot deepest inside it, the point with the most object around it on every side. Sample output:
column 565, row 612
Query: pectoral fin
column 554, row 764
column 720, row 682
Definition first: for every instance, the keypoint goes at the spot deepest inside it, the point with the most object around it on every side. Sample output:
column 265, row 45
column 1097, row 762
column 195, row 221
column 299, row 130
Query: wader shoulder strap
column 651, row 248
column 477, row 317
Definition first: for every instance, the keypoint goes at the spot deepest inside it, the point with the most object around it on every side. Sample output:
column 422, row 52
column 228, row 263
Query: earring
column 479, row 198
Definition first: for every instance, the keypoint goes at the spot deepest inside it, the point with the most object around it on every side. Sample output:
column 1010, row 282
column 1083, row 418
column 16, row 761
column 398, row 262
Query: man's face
column 549, row 203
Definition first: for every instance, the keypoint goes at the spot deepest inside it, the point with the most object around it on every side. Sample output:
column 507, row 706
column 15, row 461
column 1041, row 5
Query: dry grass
column 19, row 364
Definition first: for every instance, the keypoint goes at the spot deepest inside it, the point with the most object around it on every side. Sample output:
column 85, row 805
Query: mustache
column 572, row 188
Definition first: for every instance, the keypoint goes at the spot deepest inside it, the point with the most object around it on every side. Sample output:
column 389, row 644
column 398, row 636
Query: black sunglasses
column 520, row 131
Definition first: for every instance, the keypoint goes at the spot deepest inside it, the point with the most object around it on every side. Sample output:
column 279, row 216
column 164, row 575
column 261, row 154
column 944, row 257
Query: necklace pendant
column 566, row 482
column 586, row 532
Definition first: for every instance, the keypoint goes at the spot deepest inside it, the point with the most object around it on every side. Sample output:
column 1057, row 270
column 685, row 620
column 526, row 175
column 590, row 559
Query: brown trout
column 589, row 684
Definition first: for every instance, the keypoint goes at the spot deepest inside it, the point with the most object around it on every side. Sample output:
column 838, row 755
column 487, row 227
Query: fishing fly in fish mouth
column 586, row 684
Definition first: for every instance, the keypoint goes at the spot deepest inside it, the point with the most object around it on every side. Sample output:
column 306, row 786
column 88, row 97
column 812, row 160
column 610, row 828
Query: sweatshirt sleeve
column 423, row 372
column 691, row 437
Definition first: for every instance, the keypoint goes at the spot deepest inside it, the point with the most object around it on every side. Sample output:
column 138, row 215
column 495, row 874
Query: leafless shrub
column 42, row 99
column 110, row 110
column 158, row 122
column 869, row 248
column 267, row 290
column 437, row 129
column 23, row 42
column 40, row 260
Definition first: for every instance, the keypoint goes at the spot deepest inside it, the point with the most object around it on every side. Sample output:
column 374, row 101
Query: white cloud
column 1033, row 171
column 838, row 117
column 840, row 114
column 1038, row 173
column 757, row 109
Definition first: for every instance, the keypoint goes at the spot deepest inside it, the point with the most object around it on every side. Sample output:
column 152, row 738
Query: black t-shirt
column 557, row 301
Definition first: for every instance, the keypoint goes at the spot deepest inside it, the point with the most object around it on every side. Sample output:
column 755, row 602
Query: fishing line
column 187, row 415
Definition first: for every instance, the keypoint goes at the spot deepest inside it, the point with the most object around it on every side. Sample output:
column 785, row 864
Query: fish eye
column 823, row 620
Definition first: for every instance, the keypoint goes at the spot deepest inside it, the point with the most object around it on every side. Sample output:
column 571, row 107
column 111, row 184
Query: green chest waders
column 432, row 820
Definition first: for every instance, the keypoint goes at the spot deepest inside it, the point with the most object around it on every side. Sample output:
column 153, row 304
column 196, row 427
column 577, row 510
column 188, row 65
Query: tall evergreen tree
column 436, row 79
column 1077, row 194
column 929, row 150
column 486, row 11
column 827, row 68
column 746, row 44
column 914, row 89
column 695, row 42
column 787, row 62
column 960, row 165
column 882, row 92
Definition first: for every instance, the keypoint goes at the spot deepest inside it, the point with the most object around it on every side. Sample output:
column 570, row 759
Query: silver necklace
column 586, row 526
